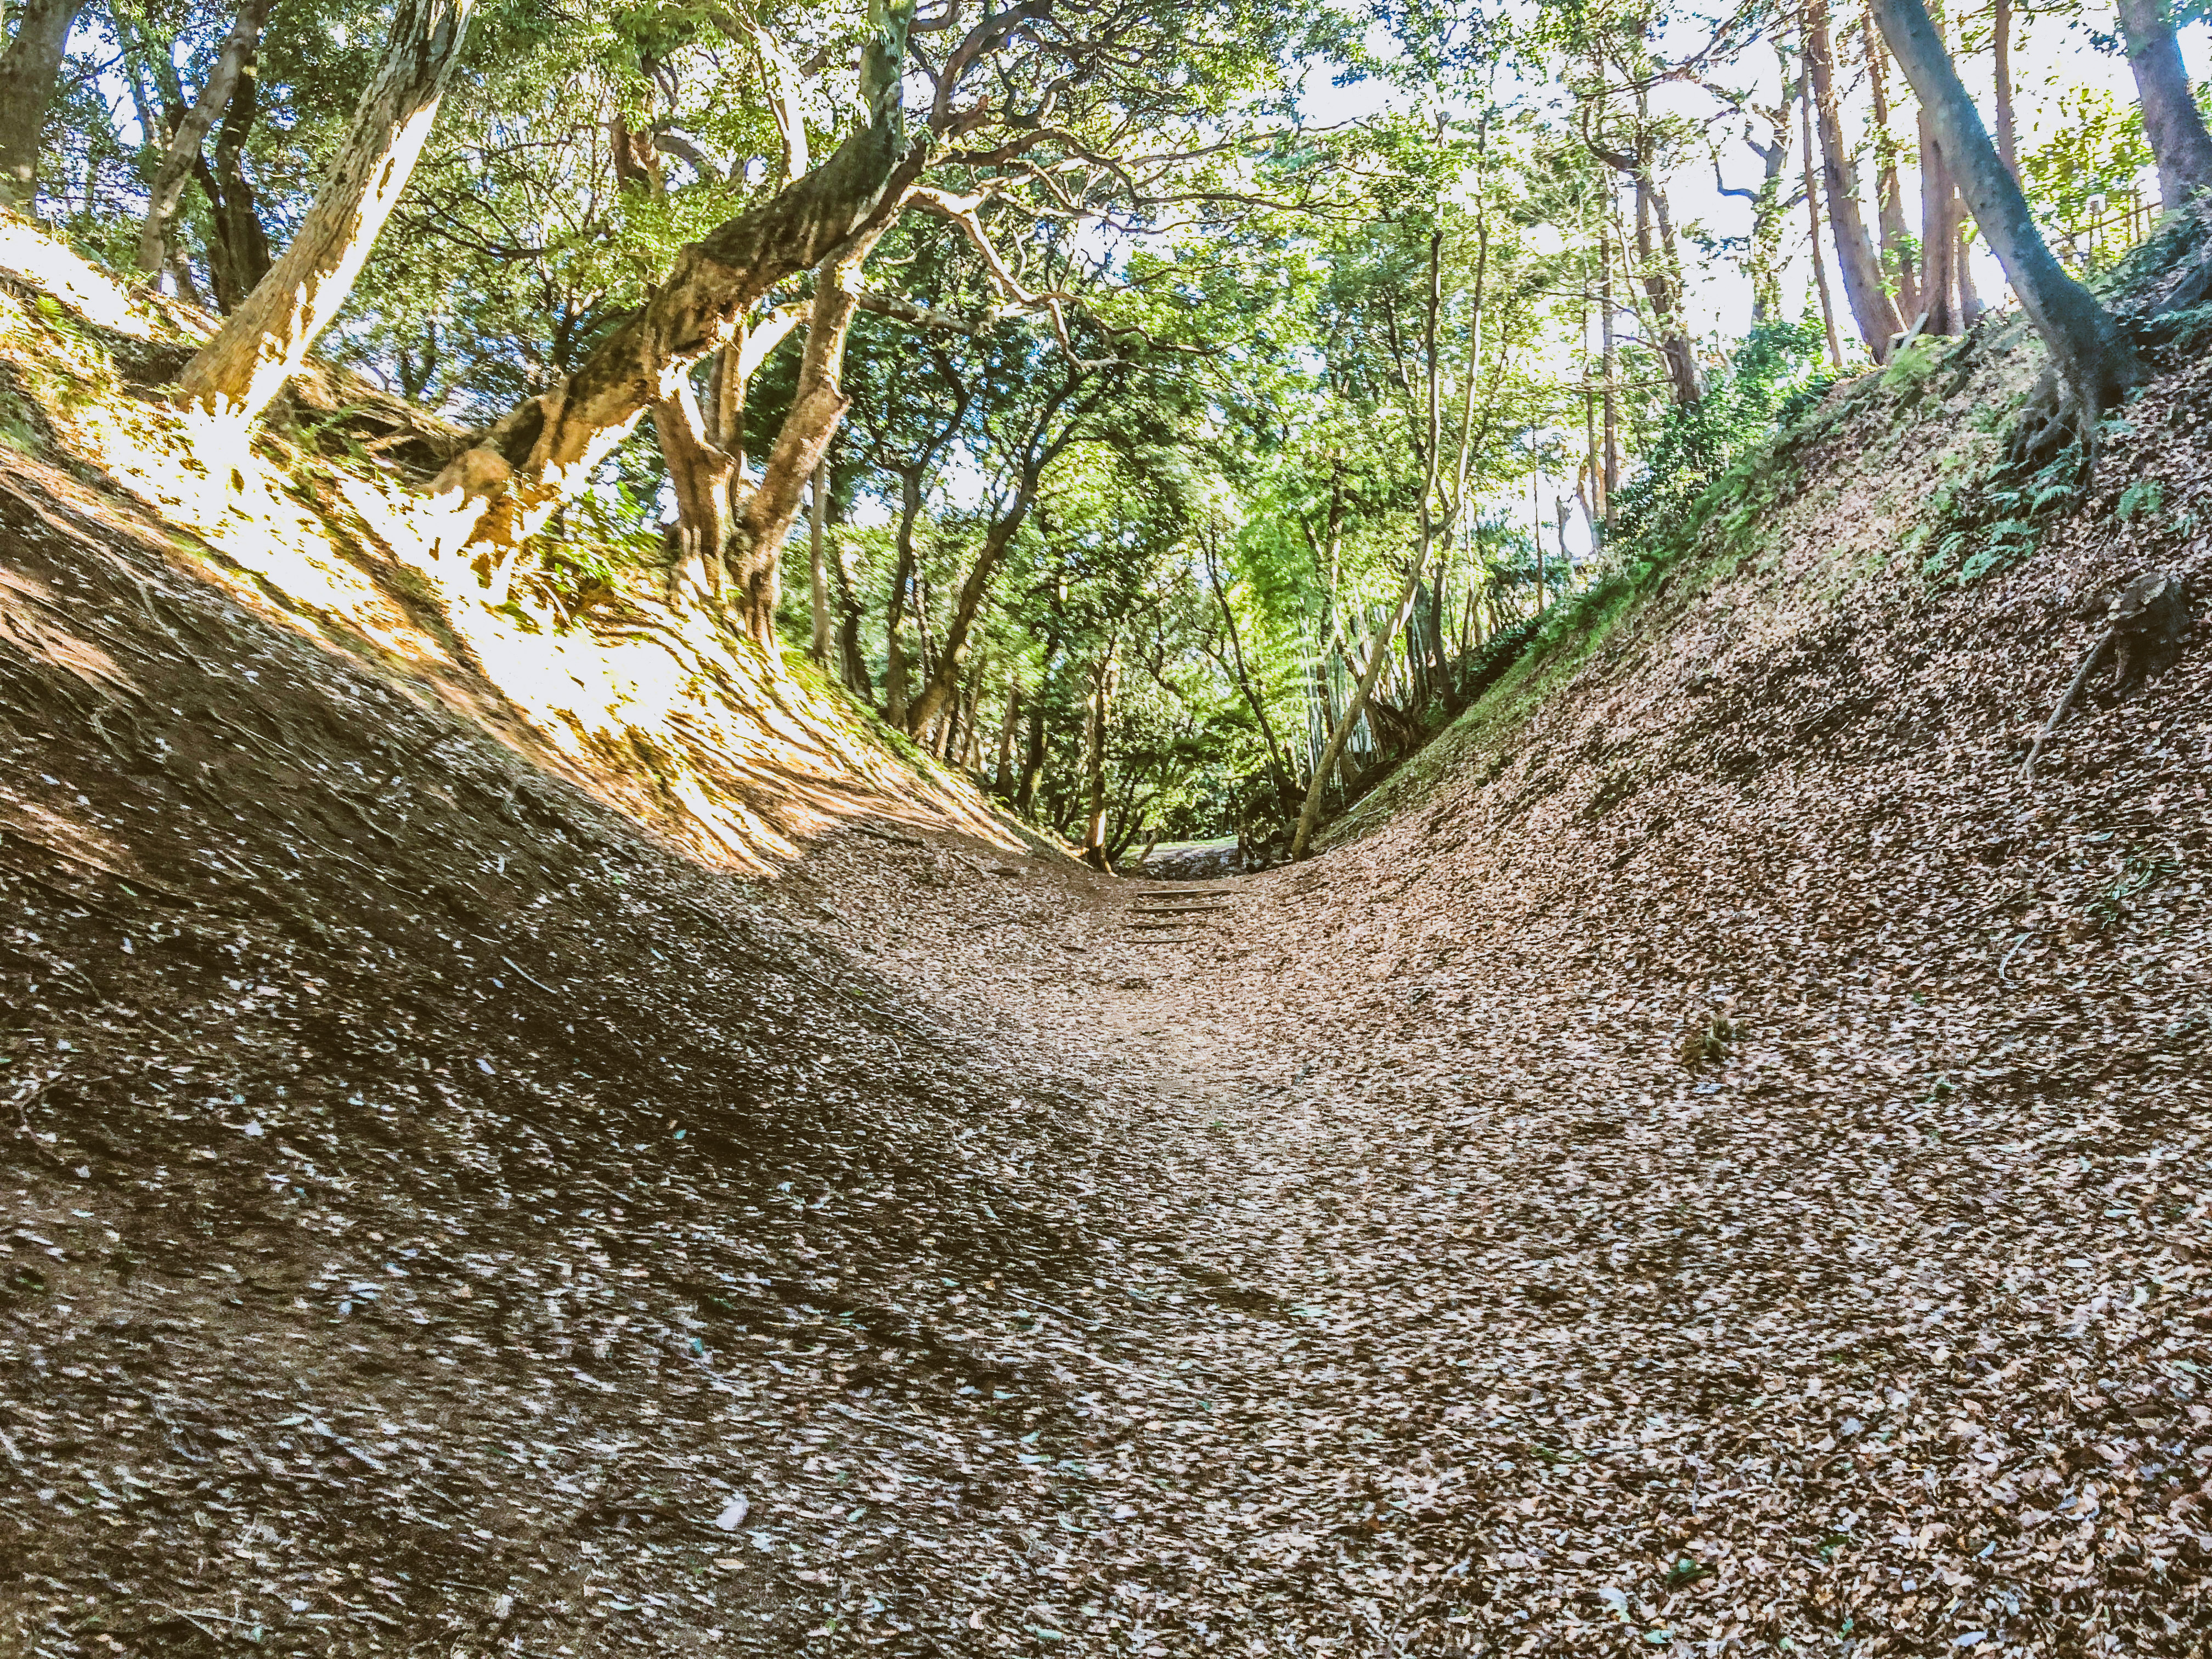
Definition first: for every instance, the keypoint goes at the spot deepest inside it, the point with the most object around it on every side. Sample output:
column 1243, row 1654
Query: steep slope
column 1764, row 1132
column 1714, row 1157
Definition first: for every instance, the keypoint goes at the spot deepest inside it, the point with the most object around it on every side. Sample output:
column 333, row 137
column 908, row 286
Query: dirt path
column 1765, row 1204
column 1494, row 1323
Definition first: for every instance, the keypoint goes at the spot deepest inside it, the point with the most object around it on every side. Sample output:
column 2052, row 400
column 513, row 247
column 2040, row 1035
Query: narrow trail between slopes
column 1718, row 1163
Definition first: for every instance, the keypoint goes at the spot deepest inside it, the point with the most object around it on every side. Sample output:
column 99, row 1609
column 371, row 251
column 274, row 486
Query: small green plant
column 2142, row 496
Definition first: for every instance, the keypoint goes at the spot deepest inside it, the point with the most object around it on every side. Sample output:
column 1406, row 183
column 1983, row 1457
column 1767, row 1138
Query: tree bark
column 705, row 481
column 1102, row 697
column 1240, row 670
column 818, row 575
column 174, row 170
column 2096, row 362
column 1901, row 270
column 1043, row 447
column 1813, row 215
column 502, row 489
column 268, row 336
column 1939, row 235
column 845, row 594
column 1309, row 814
column 1002, row 782
column 1855, row 258
column 1660, row 270
column 939, row 689
column 765, row 515
column 28, row 70
column 1609, row 363
column 238, row 248
column 1033, row 747
column 2001, row 53
column 2177, row 139
column 895, row 658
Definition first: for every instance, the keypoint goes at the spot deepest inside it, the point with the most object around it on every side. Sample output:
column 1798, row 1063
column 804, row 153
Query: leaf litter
column 1731, row 1181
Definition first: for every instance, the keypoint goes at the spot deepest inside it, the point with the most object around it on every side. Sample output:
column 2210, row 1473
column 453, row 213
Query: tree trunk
column 2096, row 362
column 818, row 576
column 895, row 659
column 2177, row 138
column 1101, row 698
column 238, row 248
column 1855, row 258
column 845, row 594
column 502, row 490
column 1043, row 449
column 944, row 680
column 174, row 170
column 1962, row 268
column 1812, row 216
column 1002, row 782
column 764, row 518
column 972, row 740
column 704, row 477
column 1939, row 234
column 2001, row 51
column 1660, row 270
column 1034, row 749
column 1309, row 814
column 268, row 338
column 1286, row 790
column 1898, row 266
column 28, row 70
column 1609, row 360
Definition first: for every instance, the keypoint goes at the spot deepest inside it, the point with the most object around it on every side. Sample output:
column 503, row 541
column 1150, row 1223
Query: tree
column 2096, row 364
column 182, row 155
column 267, row 337
column 1036, row 434
column 27, row 72
column 2170, row 119
column 1861, row 266
column 501, row 491
column 1899, row 265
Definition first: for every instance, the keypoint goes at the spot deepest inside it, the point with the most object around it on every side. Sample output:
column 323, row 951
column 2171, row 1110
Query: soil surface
column 1725, row 1168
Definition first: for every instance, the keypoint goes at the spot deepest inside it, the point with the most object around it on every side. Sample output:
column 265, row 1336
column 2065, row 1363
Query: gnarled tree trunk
column 502, row 489
column 238, row 248
column 28, row 72
column 174, row 170
column 2096, row 362
column 2177, row 138
column 268, row 336
column 766, row 514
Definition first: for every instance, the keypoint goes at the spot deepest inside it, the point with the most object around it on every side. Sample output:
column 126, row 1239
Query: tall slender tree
column 2171, row 119
column 1872, row 309
column 2096, row 362
column 182, row 155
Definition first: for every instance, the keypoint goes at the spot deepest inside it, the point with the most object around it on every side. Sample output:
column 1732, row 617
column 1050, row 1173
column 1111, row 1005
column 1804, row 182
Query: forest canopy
column 1168, row 413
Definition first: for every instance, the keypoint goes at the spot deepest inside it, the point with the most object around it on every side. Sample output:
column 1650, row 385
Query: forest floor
column 1718, row 1164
